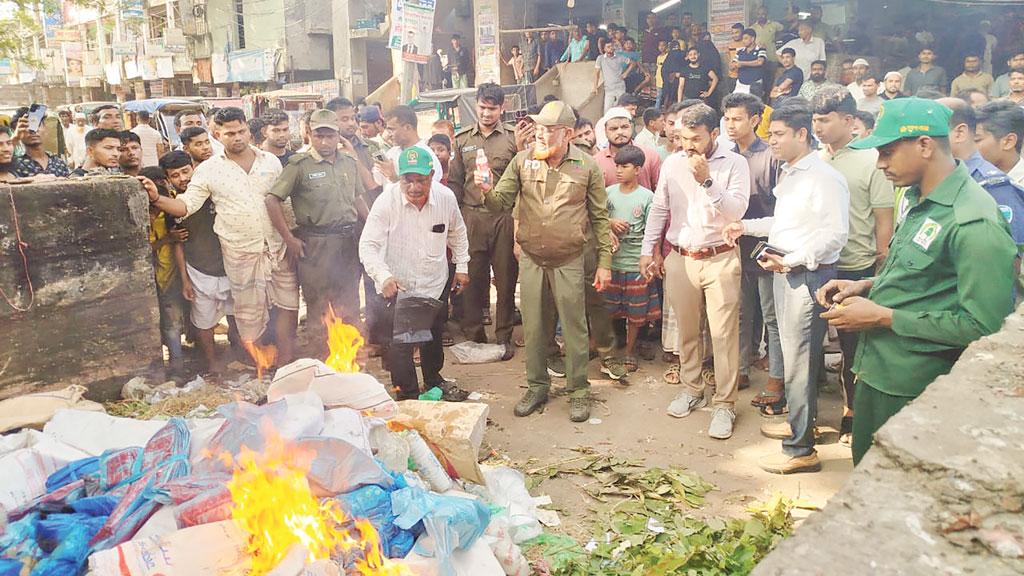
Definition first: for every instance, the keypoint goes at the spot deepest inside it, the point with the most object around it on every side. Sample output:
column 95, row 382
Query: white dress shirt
column 242, row 221
column 75, row 138
column 409, row 244
column 698, row 215
column 812, row 214
column 1016, row 173
column 806, row 53
column 149, row 139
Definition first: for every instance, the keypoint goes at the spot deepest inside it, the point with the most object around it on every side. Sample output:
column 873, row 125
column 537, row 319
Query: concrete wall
column 95, row 319
column 942, row 490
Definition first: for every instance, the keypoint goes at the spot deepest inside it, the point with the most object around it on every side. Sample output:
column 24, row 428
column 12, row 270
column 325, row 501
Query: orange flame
column 263, row 356
column 344, row 342
column 273, row 503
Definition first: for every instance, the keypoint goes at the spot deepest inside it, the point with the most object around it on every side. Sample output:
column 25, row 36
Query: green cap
column 906, row 118
column 555, row 113
column 415, row 160
column 323, row 119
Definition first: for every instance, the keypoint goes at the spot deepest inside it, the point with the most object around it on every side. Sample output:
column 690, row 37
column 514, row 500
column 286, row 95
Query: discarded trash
column 457, row 429
column 499, row 537
column 346, row 424
column 594, row 421
column 23, row 470
column 477, row 353
column 354, row 390
column 392, row 449
column 507, row 489
column 218, row 548
column 34, row 410
column 477, row 560
column 453, row 523
column 432, row 395
column 426, row 463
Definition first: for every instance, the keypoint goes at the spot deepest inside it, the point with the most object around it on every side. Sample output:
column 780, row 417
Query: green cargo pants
column 544, row 293
column 871, row 410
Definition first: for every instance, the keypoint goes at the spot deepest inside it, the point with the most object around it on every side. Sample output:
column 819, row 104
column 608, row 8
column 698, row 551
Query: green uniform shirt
column 869, row 190
column 323, row 193
column 500, row 148
column 557, row 206
column 949, row 279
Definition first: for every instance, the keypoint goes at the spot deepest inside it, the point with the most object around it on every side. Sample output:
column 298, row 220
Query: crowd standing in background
column 765, row 197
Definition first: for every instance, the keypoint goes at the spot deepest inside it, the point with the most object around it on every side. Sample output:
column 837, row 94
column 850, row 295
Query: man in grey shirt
column 926, row 75
column 531, row 57
column 614, row 68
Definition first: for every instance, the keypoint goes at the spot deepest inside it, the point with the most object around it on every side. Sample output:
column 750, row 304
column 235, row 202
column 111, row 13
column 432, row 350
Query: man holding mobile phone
column 30, row 130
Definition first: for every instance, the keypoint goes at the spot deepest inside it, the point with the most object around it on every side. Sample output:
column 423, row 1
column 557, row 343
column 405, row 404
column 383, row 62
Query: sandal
column 447, row 340
column 777, row 408
column 631, row 363
column 766, row 397
column 671, row 375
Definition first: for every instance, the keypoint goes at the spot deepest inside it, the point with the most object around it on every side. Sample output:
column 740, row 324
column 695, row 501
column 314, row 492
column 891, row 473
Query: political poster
column 417, row 30
column 72, row 52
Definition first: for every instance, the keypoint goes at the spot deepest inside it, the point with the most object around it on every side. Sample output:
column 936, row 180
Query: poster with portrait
column 72, row 63
column 417, row 30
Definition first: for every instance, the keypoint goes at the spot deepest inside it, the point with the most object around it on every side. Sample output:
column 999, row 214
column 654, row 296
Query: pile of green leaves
column 649, row 527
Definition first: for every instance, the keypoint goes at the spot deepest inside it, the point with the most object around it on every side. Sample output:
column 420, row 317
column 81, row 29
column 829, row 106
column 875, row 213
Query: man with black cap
column 327, row 197
column 947, row 280
column 560, row 195
column 403, row 248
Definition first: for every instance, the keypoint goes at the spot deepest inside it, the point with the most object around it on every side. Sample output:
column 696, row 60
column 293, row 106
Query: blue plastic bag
column 454, row 523
column 373, row 503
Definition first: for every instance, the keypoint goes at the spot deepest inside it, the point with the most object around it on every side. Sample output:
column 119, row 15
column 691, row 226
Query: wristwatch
column 707, row 184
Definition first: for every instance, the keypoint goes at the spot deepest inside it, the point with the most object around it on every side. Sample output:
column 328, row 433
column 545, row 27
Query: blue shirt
column 552, row 52
column 750, row 74
column 26, row 167
column 1007, row 195
column 796, row 75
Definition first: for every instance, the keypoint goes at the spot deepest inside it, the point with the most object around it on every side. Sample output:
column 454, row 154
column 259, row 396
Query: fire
column 344, row 342
column 263, row 356
column 273, row 503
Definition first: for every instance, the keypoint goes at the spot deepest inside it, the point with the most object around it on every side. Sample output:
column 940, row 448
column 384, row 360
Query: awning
column 153, row 104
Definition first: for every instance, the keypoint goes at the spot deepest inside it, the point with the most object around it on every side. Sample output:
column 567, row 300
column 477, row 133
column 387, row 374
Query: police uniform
column 1008, row 195
column 948, row 279
column 324, row 195
column 491, row 232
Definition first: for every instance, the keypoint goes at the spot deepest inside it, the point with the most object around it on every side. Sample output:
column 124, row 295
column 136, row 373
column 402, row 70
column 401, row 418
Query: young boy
column 442, row 146
column 162, row 237
column 629, row 296
column 516, row 62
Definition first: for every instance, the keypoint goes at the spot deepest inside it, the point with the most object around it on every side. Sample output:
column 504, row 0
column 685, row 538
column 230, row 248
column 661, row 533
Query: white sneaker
column 721, row 423
column 684, row 403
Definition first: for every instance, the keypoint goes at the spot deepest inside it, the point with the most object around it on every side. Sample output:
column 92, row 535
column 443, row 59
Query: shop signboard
column 250, row 65
column 723, row 14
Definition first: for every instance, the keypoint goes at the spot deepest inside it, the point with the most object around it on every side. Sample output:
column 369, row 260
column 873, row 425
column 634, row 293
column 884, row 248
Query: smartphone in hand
column 36, row 114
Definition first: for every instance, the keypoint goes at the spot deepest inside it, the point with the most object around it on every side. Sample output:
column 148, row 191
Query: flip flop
column 671, row 375
column 766, row 397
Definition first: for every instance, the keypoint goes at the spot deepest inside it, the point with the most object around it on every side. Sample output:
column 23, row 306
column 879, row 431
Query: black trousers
column 400, row 361
column 848, row 341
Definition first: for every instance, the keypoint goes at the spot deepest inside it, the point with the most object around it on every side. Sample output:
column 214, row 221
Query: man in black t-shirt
column 696, row 80
column 790, row 79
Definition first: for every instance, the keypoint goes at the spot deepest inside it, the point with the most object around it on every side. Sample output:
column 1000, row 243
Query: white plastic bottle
column 483, row 170
column 426, row 463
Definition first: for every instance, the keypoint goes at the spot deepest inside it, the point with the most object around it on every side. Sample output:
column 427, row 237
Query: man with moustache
column 703, row 191
column 560, row 195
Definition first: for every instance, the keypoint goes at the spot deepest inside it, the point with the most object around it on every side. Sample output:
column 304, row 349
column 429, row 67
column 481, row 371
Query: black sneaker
column 579, row 409
column 531, row 401
column 510, row 352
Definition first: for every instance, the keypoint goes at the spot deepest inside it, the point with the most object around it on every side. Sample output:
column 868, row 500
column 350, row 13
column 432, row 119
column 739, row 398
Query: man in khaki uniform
column 491, row 233
column 326, row 194
column 561, row 196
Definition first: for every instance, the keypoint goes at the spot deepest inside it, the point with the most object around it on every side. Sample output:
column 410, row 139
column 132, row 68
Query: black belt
column 347, row 229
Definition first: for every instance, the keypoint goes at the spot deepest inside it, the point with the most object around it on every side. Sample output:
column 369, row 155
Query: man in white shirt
column 1000, row 136
column 870, row 101
column 805, row 238
column 153, row 144
column 860, row 70
column 403, row 248
column 700, row 193
column 808, row 48
column 403, row 124
column 261, row 276
column 75, row 137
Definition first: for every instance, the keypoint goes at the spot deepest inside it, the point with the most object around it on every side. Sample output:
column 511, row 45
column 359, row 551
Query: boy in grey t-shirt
column 614, row 68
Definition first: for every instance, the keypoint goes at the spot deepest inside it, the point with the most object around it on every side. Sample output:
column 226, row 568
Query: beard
column 817, row 78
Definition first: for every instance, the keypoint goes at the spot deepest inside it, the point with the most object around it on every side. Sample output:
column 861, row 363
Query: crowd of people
column 878, row 216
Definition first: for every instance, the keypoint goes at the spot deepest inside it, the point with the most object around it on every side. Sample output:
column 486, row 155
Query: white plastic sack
column 34, row 410
column 160, row 524
column 477, row 352
column 507, row 488
column 95, row 432
column 218, row 548
column 24, row 470
column 477, row 560
column 358, row 390
column 348, row 425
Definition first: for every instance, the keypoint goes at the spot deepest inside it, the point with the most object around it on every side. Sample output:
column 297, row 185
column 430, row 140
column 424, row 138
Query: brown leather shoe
column 785, row 464
column 776, row 427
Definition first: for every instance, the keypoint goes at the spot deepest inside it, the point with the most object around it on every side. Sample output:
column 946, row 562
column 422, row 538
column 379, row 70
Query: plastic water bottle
column 426, row 463
column 483, row 170
column 392, row 449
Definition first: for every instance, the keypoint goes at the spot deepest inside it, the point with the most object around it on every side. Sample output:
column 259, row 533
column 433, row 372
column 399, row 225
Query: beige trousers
column 708, row 287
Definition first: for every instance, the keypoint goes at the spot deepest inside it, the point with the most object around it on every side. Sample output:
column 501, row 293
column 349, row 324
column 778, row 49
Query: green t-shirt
column 633, row 208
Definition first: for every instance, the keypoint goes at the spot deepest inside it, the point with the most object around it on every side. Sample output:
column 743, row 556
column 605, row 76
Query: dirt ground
column 629, row 421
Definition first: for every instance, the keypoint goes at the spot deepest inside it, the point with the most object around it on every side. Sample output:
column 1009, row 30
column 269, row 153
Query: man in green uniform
column 491, row 233
column 561, row 197
column 946, row 282
column 326, row 194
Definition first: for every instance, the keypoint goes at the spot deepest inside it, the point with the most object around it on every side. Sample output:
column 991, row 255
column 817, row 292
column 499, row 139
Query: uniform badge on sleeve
column 927, row 234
